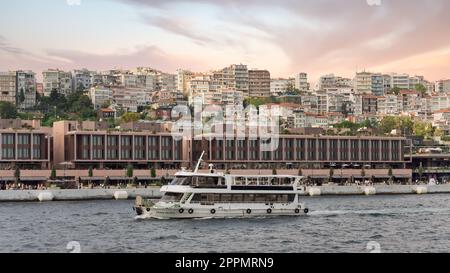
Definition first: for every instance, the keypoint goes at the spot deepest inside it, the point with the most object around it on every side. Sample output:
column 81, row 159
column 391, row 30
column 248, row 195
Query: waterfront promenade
column 154, row 192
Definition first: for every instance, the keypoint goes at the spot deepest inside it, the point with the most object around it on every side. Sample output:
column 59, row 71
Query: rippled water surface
column 336, row 224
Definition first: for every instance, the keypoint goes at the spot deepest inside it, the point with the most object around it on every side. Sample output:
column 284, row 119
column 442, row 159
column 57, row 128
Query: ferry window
column 287, row 181
column 264, row 181
column 239, row 180
column 182, row 181
column 172, row 197
column 252, row 181
column 283, row 198
column 206, row 181
column 260, row 198
column 215, row 198
column 249, row 197
column 225, row 198
column 271, row 198
column 238, row 198
column 196, row 198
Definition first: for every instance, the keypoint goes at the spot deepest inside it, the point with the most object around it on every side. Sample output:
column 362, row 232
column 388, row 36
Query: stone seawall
column 377, row 190
column 78, row 195
column 154, row 192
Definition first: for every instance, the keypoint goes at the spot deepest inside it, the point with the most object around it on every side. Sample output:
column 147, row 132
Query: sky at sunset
column 283, row 36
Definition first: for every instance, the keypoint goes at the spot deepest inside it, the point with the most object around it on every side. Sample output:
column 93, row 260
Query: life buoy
column 213, row 211
column 297, row 211
column 181, row 211
column 191, row 211
column 249, row 211
column 306, row 211
column 269, row 211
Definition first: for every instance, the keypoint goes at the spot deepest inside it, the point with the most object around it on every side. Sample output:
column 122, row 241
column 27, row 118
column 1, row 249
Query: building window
column 312, row 155
column 344, row 150
column 301, row 149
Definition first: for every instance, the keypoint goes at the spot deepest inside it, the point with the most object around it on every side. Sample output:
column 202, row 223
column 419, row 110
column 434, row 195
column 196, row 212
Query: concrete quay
column 77, row 195
column 154, row 192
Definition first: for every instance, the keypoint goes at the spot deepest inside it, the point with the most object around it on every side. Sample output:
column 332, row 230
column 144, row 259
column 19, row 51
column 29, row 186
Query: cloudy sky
column 284, row 36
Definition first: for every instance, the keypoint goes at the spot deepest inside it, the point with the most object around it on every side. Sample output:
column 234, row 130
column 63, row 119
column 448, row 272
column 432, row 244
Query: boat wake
column 393, row 211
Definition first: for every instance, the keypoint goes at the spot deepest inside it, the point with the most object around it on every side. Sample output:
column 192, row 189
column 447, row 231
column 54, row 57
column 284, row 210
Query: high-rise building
column 82, row 79
column 301, row 82
column 442, row 86
column 165, row 81
column 377, row 84
column 8, row 81
column 280, row 86
column 55, row 79
column 26, row 89
column 332, row 81
column 363, row 83
column 183, row 78
column 259, row 83
column 400, row 81
column 235, row 77
column 100, row 96
column 386, row 83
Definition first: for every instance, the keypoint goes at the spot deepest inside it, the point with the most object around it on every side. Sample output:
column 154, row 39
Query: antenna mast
column 199, row 162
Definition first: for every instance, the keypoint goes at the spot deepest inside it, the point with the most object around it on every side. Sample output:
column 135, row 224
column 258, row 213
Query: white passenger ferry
column 218, row 195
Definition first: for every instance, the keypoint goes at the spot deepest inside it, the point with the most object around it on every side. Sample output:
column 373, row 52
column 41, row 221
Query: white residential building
column 26, row 89
column 301, row 82
column 363, row 83
column 128, row 80
column 280, row 86
column 8, row 87
column 100, row 95
column 389, row 105
column 439, row 102
column 442, row 86
column 400, row 81
column 83, row 79
column 55, row 79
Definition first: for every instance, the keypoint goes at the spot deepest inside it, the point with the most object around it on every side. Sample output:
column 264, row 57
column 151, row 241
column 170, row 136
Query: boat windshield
column 182, row 181
column 172, row 197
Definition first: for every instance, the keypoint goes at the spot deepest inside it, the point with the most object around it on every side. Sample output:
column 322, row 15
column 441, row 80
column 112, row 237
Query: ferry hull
column 211, row 213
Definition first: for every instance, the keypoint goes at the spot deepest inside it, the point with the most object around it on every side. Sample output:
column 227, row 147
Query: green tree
column 7, row 110
column 421, row 88
column 107, row 181
column 53, row 173
column 300, row 172
column 90, row 172
column 423, row 129
column 421, row 171
column 363, row 172
column 390, row 172
column 331, row 174
column 395, row 91
column 106, row 104
column 274, row 171
column 17, row 175
column 153, row 172
column 21, row 96
column 130, row 117
column 129, row 171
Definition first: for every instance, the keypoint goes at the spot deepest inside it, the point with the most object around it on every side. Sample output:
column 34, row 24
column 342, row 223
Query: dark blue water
column 337, row 224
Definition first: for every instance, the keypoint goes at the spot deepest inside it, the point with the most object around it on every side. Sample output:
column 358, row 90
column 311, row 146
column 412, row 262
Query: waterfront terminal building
column 82, row 145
